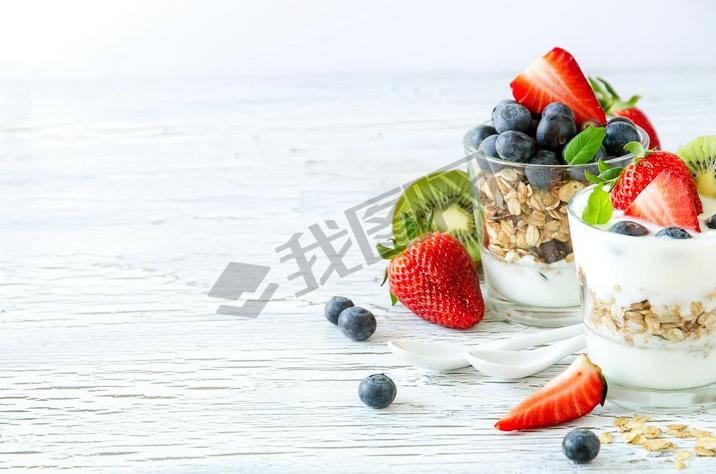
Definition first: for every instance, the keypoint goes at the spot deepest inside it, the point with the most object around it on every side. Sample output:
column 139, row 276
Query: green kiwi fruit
column 445, row 199
column 700, row 156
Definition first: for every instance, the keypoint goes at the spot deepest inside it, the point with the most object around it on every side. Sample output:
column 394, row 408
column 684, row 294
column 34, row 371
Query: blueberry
column 553, row 250
column 617, row 135
column 480, row 133
column 544, row 176
column 357, row 323
column 674, row 233
column 578, row 172
column 554, row 131
column 533, row 126
column 514, row 146
column 377, row 391
column 619, row 119
column 711, row 222
column 509, row 115
column 629, row 228
column 581, row 445
column 557, row 108
column 488, row 146
column 335, row 307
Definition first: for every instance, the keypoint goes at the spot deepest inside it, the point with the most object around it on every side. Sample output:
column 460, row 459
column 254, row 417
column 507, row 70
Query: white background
column 89, row 40
column 124, row 198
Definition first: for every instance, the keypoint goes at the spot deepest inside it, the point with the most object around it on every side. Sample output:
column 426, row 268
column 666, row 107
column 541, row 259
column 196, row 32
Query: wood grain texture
column 122, row 204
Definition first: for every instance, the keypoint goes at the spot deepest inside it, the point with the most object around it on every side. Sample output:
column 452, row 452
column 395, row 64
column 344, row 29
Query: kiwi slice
column 445, row 198
column 700, row 156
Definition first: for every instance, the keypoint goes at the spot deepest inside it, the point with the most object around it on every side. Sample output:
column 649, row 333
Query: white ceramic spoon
column 442, row 357
column 511, row 365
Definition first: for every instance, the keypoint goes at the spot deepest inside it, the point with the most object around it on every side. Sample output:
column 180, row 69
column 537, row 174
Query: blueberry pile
column 634, row 229
column 354, row 322
column 517, row 136
column 581, row 445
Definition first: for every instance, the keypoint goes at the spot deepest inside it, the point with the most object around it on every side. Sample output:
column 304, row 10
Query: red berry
column 436, row 279
column 556, row 77
column 666, row 202
column 573, row 393
column 637, row 176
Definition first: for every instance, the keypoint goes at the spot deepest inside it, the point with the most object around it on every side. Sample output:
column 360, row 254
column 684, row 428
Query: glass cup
column 526, row 249
column 649, row 308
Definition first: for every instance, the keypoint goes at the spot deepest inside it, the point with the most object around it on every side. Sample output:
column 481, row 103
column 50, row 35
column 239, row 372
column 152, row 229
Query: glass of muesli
column 526, row 249
column 649, row 310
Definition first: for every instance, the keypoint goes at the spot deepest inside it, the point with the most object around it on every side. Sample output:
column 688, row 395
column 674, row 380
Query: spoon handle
column 528, row 340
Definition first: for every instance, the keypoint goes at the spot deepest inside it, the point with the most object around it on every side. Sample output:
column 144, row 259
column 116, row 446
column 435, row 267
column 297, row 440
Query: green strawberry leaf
column 610, row 174
column 609, row 88
column 602, row 166
column 393, row 299
column 599, row 207
column 387, row 252
column 584, row 147
column 636, row 148
column 592, row 178
column 385, row 276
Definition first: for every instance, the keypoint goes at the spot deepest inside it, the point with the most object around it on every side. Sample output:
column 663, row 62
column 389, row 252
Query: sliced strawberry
column 637, row 176
column 573, row 393
column 556, row 77
column 666, row 201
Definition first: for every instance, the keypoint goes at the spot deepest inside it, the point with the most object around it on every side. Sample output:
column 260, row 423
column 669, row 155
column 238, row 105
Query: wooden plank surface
column 122, row 204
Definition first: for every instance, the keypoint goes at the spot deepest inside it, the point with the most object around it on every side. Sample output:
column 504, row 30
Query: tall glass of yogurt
column 526, row 247
column 649, row 309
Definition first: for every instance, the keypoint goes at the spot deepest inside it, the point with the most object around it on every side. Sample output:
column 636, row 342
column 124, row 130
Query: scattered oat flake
column 700, row 433
column 621, row 421
column 706, row 443
column 640, row 419
column 678, row 465
column 677, row 427
column 605, row 437
column 705, row 452
column 683, row 455
column 633, row 438
column 658, row 444
column 650, row 431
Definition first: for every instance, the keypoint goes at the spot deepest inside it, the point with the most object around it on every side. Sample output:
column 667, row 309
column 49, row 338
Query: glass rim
column 499, row 161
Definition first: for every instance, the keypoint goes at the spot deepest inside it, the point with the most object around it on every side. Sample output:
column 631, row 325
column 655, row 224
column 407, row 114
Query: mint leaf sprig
column 599, row 208
column 584, row 146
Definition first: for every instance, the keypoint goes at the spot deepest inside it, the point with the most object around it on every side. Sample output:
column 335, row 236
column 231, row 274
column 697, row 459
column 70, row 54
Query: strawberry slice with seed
column 556, row 77
column 667, row 201
column 572, row 394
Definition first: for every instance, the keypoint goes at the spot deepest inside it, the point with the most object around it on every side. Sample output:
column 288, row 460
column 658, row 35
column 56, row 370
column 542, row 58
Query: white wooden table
column 122, row 204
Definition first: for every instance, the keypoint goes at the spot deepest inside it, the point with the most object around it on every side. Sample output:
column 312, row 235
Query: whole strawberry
column 644, row 170
column 613, row 105
column 435, row 277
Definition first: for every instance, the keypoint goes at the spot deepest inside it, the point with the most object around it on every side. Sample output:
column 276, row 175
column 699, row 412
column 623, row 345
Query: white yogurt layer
column 680, row 365
column 630, row 269
column 531, row 283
